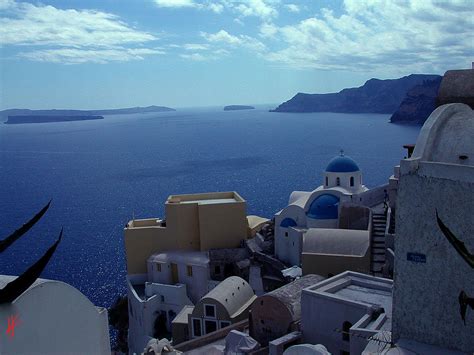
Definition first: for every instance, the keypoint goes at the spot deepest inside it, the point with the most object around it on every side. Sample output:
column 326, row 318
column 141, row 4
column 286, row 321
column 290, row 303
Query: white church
column 317, row 209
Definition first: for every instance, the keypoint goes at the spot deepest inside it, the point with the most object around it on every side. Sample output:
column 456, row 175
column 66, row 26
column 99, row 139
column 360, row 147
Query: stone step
column 380, row 258
column 379, row 252
column 378, row 238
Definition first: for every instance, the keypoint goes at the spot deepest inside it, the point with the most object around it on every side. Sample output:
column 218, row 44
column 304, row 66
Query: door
column 174, row 273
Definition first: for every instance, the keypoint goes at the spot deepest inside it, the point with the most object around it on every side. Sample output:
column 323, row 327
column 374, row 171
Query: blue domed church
column 320, row 208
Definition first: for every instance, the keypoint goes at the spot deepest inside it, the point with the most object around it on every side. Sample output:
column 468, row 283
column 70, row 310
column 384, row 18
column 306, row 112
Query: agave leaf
column 5, row 243
column 16, row 287
column 456, row 243
column 464, row 302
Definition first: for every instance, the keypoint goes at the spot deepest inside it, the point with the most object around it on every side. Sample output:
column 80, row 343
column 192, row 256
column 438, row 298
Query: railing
column 211, row 337
column 149, row 222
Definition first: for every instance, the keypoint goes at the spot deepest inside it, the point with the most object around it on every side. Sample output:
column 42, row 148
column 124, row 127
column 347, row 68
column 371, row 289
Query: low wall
column 212, row 337
column 371, row 197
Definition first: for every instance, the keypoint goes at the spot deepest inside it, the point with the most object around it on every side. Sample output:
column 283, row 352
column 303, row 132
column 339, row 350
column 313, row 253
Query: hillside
column 418, row 104
column 120, row 111
column 375, row 96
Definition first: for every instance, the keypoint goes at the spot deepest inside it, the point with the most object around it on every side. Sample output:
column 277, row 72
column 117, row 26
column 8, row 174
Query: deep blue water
column 100, row 173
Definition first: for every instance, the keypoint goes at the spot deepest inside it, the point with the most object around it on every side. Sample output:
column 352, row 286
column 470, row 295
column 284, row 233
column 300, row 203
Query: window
column 338, row 181
column 352, row 181
column 158, row 267
column 327, row 181
column 210, row 310
column 189, row 270
column 217, row 269
column 162, row 299
column 224, row 323
column 286, row 234
column 346, row 326
column 210, row 326
column 197, row 327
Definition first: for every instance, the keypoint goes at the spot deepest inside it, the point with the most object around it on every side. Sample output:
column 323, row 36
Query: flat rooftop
column 208, row 198
column 356, row 288
column 190, row 257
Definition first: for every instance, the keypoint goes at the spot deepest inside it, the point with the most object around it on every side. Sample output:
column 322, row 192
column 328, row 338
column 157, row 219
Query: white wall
column 345, row 179
column 197, row 284
column 322, row 320
column 54, row 318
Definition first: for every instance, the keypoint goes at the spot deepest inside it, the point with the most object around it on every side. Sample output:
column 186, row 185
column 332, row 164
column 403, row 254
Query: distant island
column 375, row 96
column 238, row 107
column 47, row 119
column 418, row 103
column 6, row 114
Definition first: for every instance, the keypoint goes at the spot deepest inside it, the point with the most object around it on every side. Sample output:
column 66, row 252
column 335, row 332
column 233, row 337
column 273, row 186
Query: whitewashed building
column 320, row 208
column 433, row 276
column 343, row 312
column 52, row 317
column 175, row 279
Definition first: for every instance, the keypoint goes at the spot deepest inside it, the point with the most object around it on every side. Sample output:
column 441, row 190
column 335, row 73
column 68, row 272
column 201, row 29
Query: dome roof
column 324, row 207
column 342, row 164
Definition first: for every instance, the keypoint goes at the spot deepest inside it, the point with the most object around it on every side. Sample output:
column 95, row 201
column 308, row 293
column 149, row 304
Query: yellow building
column 193, row 222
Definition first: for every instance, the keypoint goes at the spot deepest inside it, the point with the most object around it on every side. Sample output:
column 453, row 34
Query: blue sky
column 183, row 53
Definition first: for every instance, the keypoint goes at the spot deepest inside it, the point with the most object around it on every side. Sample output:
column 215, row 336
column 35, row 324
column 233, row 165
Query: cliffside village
column 342, row 269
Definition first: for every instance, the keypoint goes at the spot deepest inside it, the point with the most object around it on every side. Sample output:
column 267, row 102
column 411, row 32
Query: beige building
column 193, row 222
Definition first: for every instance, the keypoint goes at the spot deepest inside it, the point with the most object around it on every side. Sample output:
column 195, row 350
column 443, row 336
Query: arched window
column 288, row 222
column 338, row 181
column 346, row 326
column 352, row 181
column 327, row 181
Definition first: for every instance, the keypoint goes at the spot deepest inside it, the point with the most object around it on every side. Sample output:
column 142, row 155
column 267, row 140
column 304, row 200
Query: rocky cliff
column 375, row 96
column 418, row 104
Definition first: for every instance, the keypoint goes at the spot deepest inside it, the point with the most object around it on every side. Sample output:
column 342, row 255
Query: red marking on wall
column 13, row 321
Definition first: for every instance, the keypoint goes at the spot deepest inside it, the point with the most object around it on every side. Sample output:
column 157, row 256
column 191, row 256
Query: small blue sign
column 416, row 257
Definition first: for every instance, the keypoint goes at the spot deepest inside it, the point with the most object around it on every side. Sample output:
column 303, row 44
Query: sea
column 102, row 173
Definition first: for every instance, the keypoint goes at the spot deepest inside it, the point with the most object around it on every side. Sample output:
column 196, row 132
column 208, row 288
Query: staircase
column 379, row 222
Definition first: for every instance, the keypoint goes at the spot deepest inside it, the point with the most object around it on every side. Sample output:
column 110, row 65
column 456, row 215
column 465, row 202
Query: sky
column 84, row 54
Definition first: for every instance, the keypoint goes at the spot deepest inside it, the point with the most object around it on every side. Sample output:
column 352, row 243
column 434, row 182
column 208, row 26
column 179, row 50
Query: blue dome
column 288, row 222
column 324, row 207
column 342, row 164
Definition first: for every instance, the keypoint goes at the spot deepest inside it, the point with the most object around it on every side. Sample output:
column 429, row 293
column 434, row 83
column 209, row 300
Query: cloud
column 216, row 7
column 80, row 56
column 413, row 36
column 195, row 47
column 76, row 31
column 264, row 9
column 175, row 3
column 268, row 30
column 226, row 38
column 200, row 57
column 293, row 8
